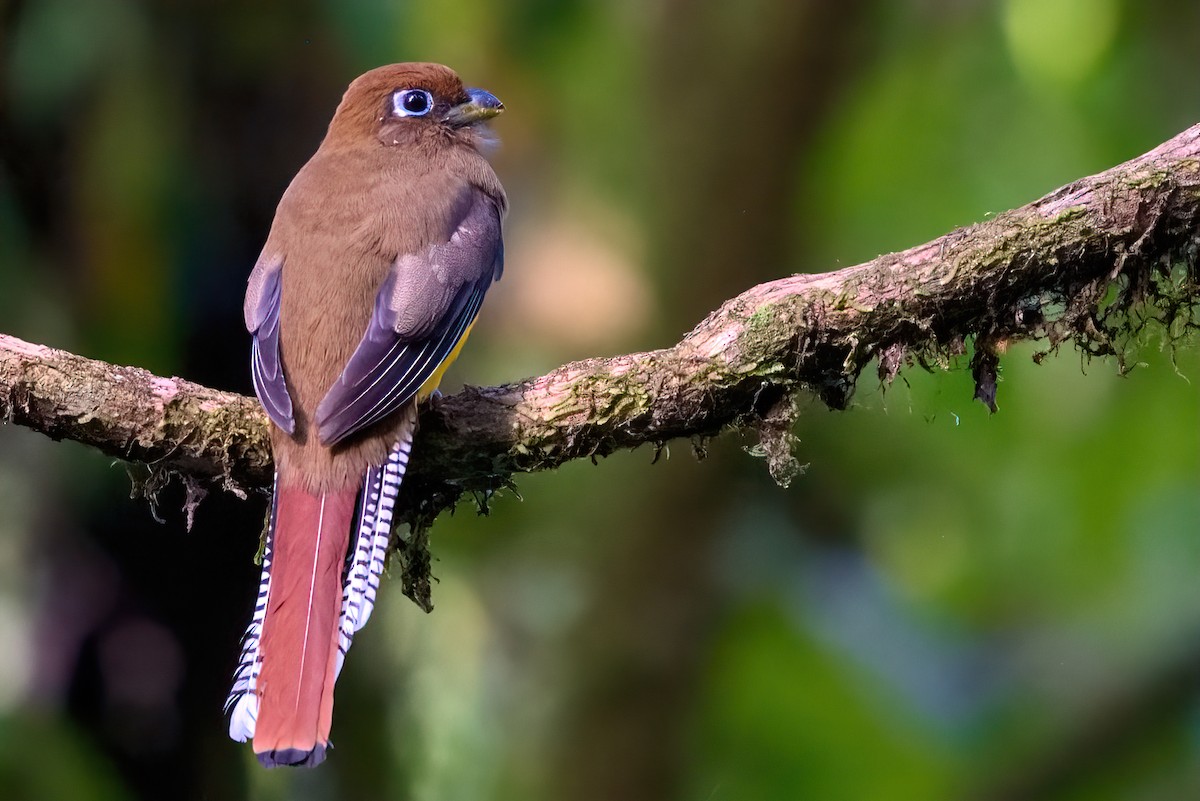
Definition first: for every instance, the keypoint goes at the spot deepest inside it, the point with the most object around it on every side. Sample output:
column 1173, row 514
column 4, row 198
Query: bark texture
column 1095, row 262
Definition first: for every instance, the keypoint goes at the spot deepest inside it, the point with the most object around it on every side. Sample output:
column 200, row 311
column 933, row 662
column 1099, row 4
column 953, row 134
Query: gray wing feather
column 423, row 309
column 262, row 319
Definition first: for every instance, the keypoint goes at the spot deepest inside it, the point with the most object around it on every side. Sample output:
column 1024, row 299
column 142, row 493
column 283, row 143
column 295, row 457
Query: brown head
column 409, row 103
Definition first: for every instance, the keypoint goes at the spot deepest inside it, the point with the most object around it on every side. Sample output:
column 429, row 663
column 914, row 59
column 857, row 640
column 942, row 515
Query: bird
column 380, row 254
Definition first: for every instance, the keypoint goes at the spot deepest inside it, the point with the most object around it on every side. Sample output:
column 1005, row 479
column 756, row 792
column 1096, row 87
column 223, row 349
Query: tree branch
column 1092, row 262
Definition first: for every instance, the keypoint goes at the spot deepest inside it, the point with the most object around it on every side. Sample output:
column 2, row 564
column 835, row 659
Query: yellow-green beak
column 481, row 106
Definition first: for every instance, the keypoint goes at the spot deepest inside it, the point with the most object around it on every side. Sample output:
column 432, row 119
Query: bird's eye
column 412, row 103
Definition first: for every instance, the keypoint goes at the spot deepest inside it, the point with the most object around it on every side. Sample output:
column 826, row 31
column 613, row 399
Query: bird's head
column 410, row 103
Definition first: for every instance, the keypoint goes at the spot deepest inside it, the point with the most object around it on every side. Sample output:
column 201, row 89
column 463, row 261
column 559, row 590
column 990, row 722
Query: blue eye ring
column 412, row 103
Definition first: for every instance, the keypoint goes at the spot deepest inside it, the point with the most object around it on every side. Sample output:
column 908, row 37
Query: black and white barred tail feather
column 358, row 561
column 365, row 561
column 364, row 570
column 242, row 703
column 393, row 476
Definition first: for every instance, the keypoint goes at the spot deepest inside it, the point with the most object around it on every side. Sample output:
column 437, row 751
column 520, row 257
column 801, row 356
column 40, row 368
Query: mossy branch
column 1090, row 263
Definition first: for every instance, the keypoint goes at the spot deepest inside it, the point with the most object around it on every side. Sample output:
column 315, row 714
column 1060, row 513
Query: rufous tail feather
column 285, row 703
column 298, row 645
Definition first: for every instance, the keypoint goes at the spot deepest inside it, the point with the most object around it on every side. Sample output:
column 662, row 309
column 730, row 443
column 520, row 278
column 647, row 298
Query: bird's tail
column 313, row 598
column 286, row 704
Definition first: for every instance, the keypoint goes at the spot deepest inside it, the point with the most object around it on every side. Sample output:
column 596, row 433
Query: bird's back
column 339, row 228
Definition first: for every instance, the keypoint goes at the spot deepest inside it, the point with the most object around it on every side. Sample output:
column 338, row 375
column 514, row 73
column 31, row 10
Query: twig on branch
column 1089, row 263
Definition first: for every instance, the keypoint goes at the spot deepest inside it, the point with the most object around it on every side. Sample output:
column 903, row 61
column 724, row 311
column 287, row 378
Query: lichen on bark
column 1102, row 263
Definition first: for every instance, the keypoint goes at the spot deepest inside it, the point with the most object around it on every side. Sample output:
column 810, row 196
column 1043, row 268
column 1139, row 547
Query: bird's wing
column 423, row 310
column 262, row 320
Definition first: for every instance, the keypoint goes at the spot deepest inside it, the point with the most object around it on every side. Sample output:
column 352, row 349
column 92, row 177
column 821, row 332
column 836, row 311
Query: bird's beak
column 482, row 106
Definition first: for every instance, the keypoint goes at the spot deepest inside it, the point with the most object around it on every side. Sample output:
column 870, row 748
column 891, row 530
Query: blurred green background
column 947, row 605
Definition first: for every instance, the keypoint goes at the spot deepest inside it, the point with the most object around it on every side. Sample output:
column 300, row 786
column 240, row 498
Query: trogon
column 380, row 254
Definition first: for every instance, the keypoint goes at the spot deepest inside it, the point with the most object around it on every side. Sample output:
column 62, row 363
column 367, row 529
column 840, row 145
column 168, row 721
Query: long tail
column 299, row 631
column 282, row 694
column 285, row 703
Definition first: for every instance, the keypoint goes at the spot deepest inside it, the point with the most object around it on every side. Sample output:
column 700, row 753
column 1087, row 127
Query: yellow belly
column 432, row 383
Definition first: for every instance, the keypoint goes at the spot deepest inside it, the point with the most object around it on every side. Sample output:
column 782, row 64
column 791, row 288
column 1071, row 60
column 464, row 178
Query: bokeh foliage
column 949, row 604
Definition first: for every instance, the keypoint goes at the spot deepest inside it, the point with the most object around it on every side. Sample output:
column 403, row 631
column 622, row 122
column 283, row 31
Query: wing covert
column 262, row 319
column 422, row 311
